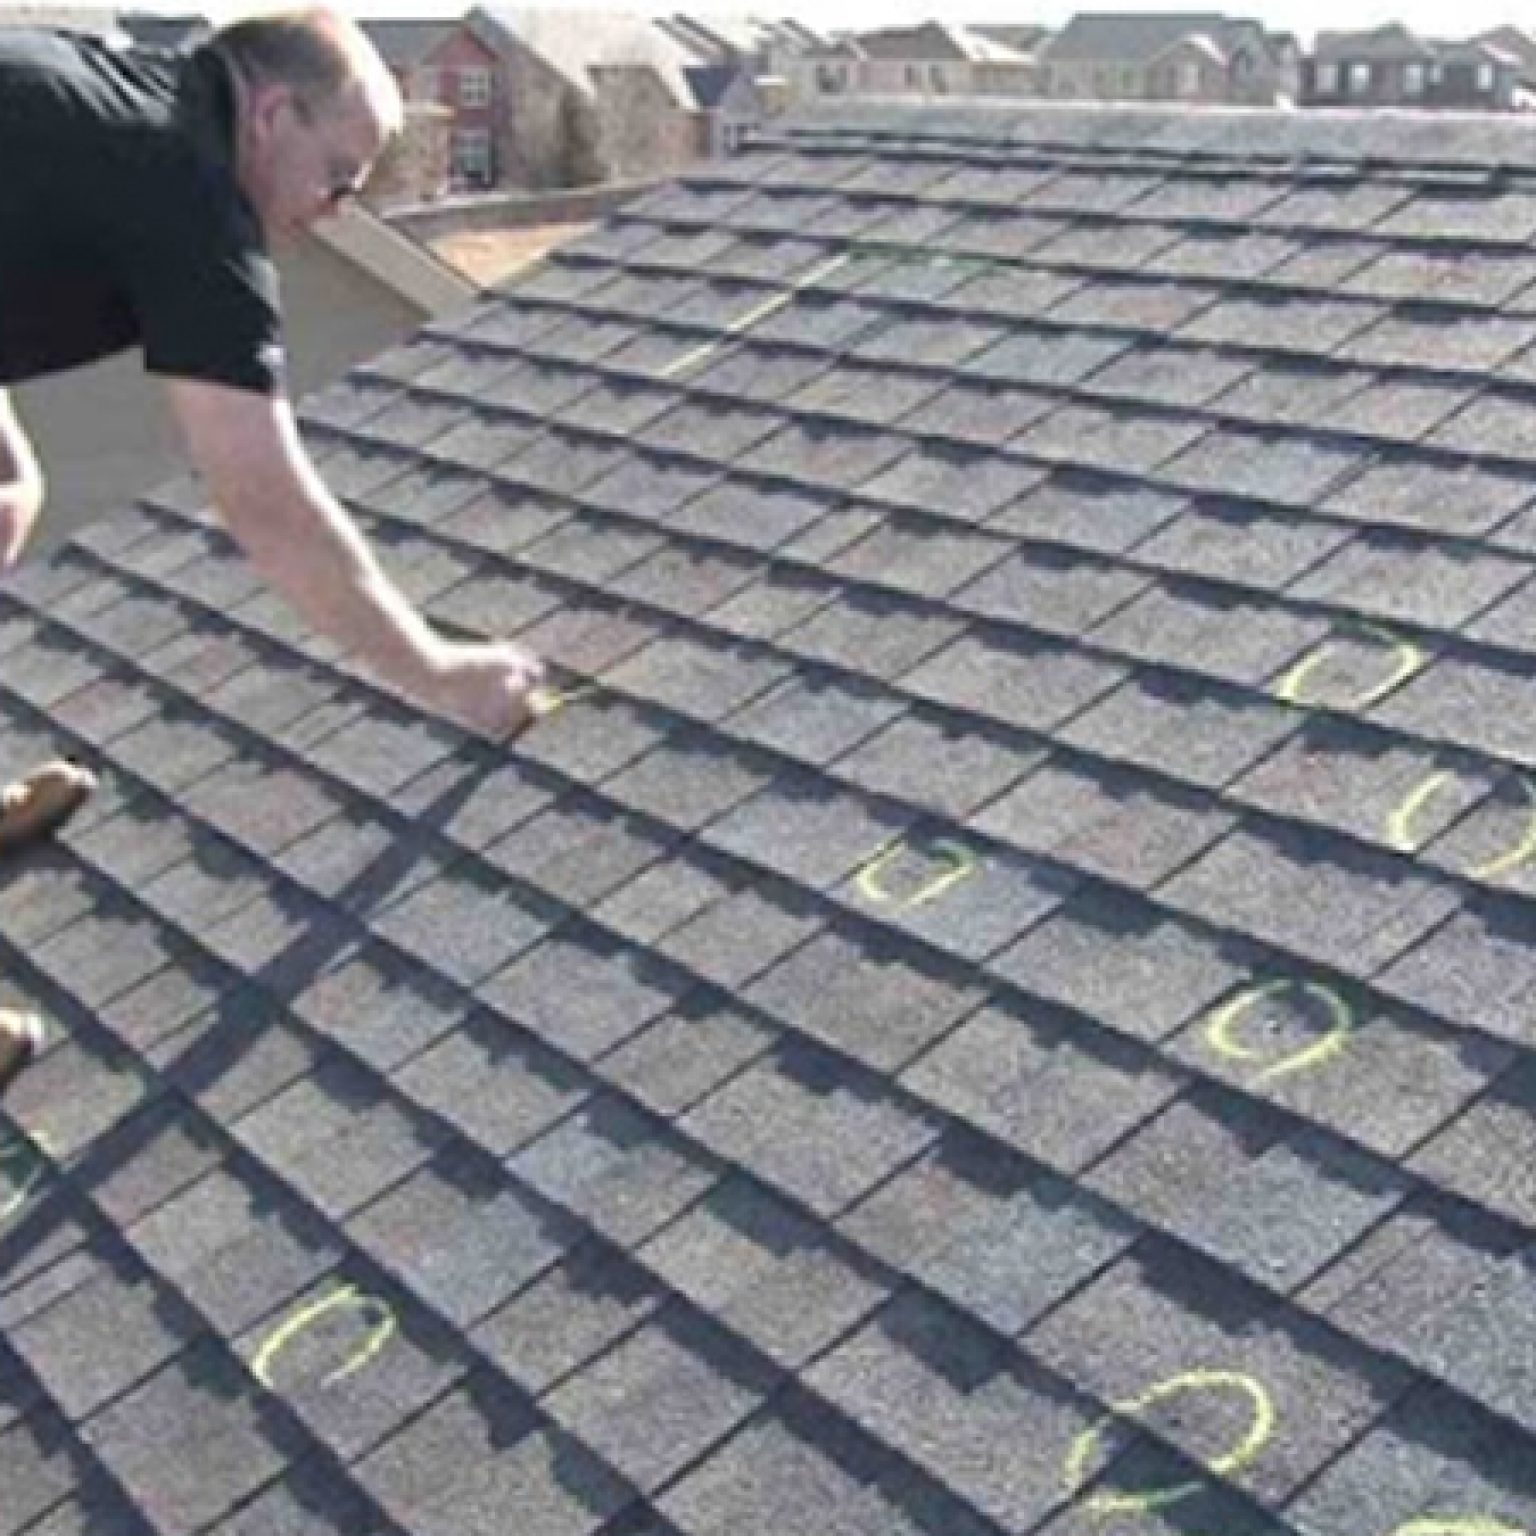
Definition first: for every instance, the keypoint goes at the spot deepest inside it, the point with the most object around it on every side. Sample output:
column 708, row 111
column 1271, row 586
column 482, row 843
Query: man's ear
column 266, row 106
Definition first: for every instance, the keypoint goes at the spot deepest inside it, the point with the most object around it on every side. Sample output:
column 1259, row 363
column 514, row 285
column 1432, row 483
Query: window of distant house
column 1242, row 66
column 1328, row 79
column 914, row 78
column 1359, row 79
column 936, row 80
column 1127, row 82
column 1189, row 80
column 474, row 87
column 830, row 78
column 472, row 156
column 1413, row 79
column 1485, row 78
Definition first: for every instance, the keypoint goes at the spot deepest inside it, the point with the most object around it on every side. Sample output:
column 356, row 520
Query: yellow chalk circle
column 1260, row 1431
column 1468, row 1525
column 1410, row 658
column 545, row 701
column 1400, row 822
column 963, row 863
column 1520, row 854
column 1219, row 1032
column 18, row 1151
column 288, row 1333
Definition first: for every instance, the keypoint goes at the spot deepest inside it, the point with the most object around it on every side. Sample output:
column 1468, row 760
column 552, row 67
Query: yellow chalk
column 963, row 864
column 1224, row 1021
column 1410, row 659
column 286, row 1333
column 1260, row 1432
column 543, row 702
column 1520, row 854
column 1400, row 823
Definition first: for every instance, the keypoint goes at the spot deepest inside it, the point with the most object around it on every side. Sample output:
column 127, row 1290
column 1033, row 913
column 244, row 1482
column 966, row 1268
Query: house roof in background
column 1389, row 42
column 577, row 42
column 713, row 35
column 1024, row 38
column 1000, row 1000
column 408, row 41
column 932, row 41
column 1125, row 36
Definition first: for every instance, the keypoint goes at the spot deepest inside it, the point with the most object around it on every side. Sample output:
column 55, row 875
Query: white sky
column 1432, row 18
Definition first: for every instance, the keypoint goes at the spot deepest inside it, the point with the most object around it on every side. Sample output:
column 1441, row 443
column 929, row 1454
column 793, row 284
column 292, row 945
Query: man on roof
column 140, row 195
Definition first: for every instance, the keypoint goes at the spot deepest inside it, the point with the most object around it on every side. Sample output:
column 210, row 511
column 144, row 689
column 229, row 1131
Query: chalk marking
column 1410, row 659
column 1259, row 1434
column 1520, row 854
column 546, row 701
column 962, row 860
column 287, row 1332
column 1400, row 823
column 1225, row 1019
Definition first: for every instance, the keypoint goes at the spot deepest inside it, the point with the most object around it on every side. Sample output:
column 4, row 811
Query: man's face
column 303, row 163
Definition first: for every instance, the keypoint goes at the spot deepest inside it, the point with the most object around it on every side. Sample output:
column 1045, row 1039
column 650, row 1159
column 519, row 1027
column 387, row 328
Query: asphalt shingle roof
column 1000, row 1003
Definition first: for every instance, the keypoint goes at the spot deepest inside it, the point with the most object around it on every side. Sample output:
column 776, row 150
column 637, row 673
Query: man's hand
column 18, row 513
column 487, row 685
column 21, row 486
column 301, row 539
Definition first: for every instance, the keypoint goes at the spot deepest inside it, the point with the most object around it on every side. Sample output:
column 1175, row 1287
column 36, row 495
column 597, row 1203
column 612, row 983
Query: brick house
column 588, row 97
column 447, row 65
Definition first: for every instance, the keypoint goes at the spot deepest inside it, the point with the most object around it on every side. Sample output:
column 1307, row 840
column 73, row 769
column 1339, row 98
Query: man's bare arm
column 21, row 485
column 306, row 545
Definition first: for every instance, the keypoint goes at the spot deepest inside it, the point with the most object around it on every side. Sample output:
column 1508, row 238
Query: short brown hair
column 315, row 51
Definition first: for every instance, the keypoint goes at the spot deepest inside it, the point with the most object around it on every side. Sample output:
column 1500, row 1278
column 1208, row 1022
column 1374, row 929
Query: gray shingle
column 869, row 997
column 1140, row 1326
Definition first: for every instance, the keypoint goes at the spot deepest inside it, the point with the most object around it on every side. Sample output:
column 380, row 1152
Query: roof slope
column 1032, row 922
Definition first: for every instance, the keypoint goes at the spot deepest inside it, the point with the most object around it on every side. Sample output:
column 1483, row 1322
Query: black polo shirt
column 121, row 220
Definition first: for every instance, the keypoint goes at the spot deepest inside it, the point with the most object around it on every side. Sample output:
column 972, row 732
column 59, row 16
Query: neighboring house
column 730, row 106
column 1391, row 66
column 1174, row 56
column 756, row 41
column 349, row 289
column 933, row 59
column 448, row 65
column 1518, row 45
column 588, row 97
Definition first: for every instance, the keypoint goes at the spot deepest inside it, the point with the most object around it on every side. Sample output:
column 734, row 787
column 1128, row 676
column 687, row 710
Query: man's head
column 317, row 105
